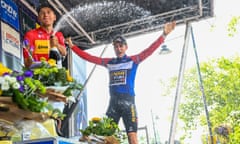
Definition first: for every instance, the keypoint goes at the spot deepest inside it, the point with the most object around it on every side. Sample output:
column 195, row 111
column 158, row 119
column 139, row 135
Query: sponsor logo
column 118, row 77
column 42, row 47
column 13, row 41
column 9, row 9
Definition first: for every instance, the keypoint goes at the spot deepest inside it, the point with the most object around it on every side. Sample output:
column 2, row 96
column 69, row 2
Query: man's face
column 119, row 49
column 46, row 17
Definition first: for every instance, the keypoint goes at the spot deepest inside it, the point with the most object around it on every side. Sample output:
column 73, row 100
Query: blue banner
column 9, row 13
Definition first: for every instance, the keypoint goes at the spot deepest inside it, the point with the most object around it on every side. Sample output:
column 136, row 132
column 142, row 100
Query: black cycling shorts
column 124, row 106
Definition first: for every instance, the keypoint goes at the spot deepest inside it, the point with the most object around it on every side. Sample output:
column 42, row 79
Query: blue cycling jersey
column 122, row 72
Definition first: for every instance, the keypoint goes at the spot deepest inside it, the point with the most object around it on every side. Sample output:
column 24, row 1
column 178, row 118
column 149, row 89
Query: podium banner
column 10, row 40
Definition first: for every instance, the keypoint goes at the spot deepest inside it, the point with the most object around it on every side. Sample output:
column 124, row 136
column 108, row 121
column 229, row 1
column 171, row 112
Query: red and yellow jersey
column 39, row 44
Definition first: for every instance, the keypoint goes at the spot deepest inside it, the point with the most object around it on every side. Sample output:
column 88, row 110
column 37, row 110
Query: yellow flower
column 52, row 62
column 55, row 115
column 4, row 69
column 49, row 112
column 69, row 77
column 96, row 119
column 43, row 59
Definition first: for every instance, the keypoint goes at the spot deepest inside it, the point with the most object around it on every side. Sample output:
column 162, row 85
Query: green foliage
column 102, row 127
column 234, row 120
column 29, row 102
column 222, row 90
column 233, row 26
column 72, row 86
column 234, row 137
column 28, row 87
column 55, row 113
column 50, row 75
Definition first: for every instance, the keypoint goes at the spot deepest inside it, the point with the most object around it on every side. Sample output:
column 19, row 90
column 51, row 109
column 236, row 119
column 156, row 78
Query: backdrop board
column 10, row 37
column 10, row 40
column 11, row 52
column 9, row 13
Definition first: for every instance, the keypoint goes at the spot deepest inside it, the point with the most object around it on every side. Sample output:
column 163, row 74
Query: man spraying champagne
column 39, row 41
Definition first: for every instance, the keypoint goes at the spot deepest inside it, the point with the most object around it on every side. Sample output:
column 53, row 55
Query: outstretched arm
column 85, row 55
column 168, row 28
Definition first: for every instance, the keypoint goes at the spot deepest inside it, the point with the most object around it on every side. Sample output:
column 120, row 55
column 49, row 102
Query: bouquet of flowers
column 29, row 88
column 22, row 88
column 103, row 130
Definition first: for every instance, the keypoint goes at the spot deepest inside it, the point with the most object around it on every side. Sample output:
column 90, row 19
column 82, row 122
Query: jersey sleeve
column 88, row 57
column 148, row 51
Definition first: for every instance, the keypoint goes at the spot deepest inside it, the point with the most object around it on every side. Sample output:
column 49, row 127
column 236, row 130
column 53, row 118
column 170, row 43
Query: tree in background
column 233, row 26
column 222, row 89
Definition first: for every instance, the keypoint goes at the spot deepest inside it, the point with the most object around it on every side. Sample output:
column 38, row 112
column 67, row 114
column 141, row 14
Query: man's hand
column 168, row 27
column 69, row 42
column 54, row 41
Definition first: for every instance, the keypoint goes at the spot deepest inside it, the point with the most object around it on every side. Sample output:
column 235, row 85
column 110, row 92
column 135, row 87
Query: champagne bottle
column 55, row 54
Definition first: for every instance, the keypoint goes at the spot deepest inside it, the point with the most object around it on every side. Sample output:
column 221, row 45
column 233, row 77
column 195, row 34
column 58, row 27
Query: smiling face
column 120, row 49
column 46, row 17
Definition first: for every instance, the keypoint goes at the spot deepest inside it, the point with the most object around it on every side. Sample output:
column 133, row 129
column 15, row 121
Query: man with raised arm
column 122, row 72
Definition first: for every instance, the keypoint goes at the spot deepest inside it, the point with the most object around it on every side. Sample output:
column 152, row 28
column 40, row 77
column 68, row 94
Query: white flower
column 8, row 82
column 12, row 80
column 6, row 78
column 5, row 86
column 16, row 85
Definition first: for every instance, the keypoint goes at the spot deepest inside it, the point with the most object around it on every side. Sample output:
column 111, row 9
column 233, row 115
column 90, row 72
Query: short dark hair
column 119, row 39
column 45, row 5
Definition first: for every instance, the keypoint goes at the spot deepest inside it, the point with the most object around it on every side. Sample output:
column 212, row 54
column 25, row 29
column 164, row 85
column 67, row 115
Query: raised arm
column 168, row 28
column 86, row 56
